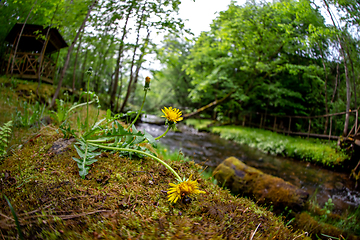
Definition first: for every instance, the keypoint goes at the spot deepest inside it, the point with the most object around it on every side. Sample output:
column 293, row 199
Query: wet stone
column 263, row 188
column 61, row 145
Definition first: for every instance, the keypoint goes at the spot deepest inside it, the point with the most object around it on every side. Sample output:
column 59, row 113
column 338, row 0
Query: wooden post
column 261, row 120
column 264, row 121
column 274, row 124
column 289, row 125
column 57, row 58
column 243, row 123
column 41, row 57
column 330, row 127
column 309, row 128
column 356, row 122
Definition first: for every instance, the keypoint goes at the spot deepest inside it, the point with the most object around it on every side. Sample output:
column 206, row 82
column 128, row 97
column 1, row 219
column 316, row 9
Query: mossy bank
column 121, row 198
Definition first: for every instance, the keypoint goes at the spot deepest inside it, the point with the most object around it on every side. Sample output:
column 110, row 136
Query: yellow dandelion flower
column 172, row 114
column 185, row 188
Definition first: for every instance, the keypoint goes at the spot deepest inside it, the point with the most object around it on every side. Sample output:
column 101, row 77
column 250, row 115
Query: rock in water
column 263, row 188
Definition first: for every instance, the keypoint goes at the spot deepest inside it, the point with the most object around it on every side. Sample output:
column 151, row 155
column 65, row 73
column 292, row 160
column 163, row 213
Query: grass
column 277, row 144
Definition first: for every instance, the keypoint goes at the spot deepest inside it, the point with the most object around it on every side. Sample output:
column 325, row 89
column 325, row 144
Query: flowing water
column 210, row 150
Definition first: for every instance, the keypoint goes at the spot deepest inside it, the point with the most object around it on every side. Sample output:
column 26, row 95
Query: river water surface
column 210, row 150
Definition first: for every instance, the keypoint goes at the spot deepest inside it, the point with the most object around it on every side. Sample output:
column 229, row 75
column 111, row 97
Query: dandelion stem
column 137, row 116
column 140, row 152
column 87, row 104
column 163, row 135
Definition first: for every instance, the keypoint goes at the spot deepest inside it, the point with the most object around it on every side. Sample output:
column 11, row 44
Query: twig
column 2, row 234
column 300, row 235
column 34, row 211
column 255, row 231
column 63, row 217
column 146, row 172
column 5, row 216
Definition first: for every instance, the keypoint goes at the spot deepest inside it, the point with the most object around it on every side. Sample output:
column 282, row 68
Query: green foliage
column 107, row 134
column 200, row 124
column 5, row 133
column 30, row 115
column 176, row 156
column 171, row 85
column 348, row 221
column 15, row 218
column 60, row 115
column 87, row 157
column 329, row 206
column 262, row 51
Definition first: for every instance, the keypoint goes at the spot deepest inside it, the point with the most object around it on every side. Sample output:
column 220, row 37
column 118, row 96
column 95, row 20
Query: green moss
column 320, row 229
column 200, row 124
column 263, row 188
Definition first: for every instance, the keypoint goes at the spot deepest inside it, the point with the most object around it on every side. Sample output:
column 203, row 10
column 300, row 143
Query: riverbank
column 316, row 151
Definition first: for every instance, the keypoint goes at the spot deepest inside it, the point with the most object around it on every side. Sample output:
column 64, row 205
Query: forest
column 77, row 76
column 296, row 58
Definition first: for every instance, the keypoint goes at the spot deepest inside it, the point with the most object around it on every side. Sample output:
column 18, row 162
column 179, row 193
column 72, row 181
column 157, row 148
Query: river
column 210, row 150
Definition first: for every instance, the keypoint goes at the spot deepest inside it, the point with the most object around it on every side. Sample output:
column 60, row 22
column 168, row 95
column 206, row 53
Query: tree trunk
column 347, row 80
column 66, row 64
column 120, row 91
column 82, row 82
column 102, row 64
column 75, row 63
column 353, row 74
column 214, row 103
column 336, row 83
column 139, row 63
column 118, row 60
column 348, row 95
column 18, row 40
column 325, row 90
column 129, row 88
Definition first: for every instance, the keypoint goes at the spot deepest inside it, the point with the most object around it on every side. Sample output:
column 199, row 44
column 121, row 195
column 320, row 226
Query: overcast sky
column 201, row 13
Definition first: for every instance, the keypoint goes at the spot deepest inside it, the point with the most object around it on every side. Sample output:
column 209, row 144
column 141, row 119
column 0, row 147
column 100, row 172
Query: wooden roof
column 30, row 42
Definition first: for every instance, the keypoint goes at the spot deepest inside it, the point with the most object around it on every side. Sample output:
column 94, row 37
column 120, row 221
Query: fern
column 5, row 132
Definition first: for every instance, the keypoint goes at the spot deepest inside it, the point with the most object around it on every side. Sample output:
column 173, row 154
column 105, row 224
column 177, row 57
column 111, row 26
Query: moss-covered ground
column 120, row 198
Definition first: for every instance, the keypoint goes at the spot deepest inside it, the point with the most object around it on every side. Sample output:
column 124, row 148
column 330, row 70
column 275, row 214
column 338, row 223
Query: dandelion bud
column 89, row 71
column 147, row 83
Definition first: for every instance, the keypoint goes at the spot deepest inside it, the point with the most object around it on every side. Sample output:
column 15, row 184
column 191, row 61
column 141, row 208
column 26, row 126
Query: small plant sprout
column 5, row 133
column 146, row 88
column 89, row 73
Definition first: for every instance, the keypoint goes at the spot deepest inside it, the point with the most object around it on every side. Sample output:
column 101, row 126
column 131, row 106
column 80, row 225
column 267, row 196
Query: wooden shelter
column 28, row 55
